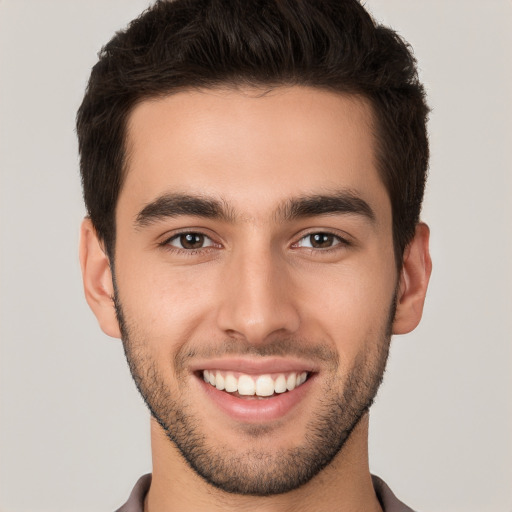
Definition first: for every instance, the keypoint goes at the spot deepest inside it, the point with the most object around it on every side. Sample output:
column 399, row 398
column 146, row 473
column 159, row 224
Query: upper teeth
column 261, row 385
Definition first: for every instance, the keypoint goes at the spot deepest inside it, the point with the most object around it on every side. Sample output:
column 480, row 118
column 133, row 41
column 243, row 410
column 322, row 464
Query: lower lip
column 253, row 409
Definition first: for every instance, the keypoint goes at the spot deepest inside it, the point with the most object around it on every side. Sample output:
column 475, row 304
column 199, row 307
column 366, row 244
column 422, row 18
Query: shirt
column 388, row 501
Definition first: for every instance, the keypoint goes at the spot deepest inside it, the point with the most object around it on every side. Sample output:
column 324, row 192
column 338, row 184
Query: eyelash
column 340, row 242
column 166, row 244
column 339, row 245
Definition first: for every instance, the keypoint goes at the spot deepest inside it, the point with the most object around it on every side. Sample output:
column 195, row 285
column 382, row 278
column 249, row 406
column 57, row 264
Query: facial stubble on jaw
column 252, row 471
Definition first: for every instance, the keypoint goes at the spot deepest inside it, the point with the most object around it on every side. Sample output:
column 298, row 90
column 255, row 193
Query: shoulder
column 135, row 502
column 388, row 501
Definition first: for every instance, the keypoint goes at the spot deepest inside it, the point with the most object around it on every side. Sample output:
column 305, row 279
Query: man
column 253, row 174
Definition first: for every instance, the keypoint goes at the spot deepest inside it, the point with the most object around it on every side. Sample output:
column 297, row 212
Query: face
column 255, row 278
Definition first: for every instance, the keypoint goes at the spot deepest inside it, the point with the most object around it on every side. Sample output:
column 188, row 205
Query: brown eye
column 190, row 241
column 320, row 240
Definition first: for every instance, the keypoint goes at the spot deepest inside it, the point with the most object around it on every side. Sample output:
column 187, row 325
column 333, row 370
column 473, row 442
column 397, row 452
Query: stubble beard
column 251, row 471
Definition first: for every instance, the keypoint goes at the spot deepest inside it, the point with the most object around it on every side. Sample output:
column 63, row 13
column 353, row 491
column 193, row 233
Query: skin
column 255, row 152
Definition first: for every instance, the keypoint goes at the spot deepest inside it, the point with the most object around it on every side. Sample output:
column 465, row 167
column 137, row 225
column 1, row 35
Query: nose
column 258, row 298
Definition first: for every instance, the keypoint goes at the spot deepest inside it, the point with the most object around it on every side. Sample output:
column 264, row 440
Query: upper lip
column 255, row 365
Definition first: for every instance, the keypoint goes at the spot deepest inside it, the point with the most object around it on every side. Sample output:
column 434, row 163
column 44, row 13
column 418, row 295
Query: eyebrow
column 344, row 202
column 176, row 205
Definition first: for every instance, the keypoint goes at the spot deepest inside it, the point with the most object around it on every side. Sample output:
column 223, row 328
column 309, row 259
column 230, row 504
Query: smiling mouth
column 247, row 386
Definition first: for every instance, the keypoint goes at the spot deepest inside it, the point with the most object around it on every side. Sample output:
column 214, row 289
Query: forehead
column 249, row 147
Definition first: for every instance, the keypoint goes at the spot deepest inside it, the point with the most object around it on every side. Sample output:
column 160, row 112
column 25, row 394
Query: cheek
column 165, row 306
column 352, row 307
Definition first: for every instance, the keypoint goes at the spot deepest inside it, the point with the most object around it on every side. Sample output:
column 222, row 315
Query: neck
column 344, row 485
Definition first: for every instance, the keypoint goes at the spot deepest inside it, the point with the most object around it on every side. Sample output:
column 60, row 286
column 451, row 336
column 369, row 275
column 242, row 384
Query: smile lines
column 249, row 385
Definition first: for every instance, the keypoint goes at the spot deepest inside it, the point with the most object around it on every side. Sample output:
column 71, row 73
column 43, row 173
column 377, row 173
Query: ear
column 97, row 279
column 414, row 278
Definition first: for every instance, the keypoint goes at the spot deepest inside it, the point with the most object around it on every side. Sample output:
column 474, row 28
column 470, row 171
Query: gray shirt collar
column 388, row 501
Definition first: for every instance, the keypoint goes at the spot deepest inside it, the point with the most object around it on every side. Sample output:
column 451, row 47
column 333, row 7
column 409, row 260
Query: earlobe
column 97, row 279
column 414, row 278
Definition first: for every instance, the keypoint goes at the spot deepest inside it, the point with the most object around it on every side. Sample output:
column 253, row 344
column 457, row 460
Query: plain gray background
column 74, row 433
